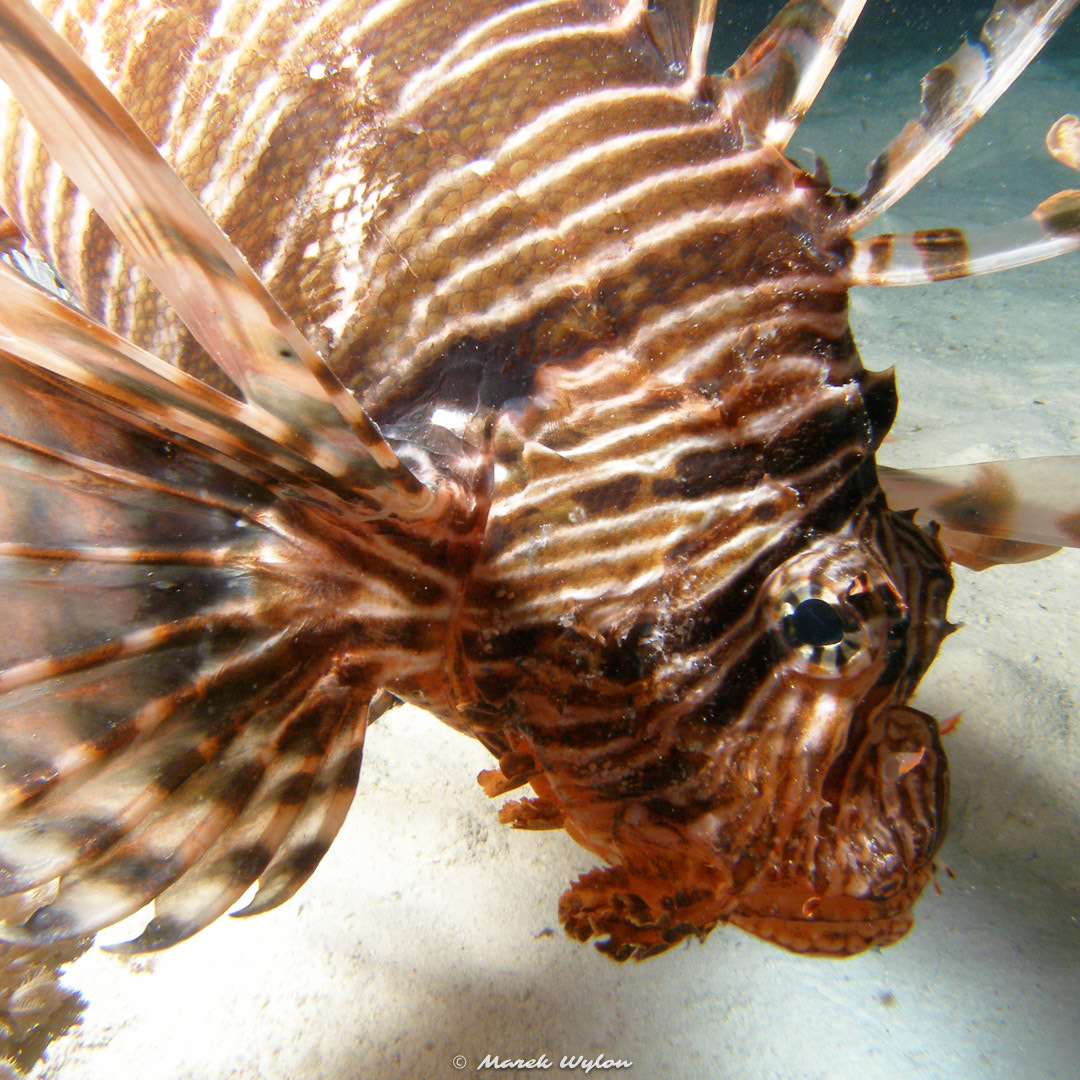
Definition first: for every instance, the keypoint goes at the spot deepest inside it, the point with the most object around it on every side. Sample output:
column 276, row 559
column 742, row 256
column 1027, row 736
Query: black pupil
column 814, row 622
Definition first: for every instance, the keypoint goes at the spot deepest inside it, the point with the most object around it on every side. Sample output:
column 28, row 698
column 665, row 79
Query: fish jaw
column 864, row 871
column 820, row 877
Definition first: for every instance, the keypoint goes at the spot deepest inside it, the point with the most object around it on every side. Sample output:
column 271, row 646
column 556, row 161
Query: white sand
column 426, row 932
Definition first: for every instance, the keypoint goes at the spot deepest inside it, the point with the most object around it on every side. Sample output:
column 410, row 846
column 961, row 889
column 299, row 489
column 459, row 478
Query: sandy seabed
column 430, row 931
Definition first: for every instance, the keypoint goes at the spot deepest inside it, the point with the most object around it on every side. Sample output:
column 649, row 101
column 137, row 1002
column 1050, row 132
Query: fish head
column 791, row 789
column 737, row 742
column 847, row 783
column 694, row 611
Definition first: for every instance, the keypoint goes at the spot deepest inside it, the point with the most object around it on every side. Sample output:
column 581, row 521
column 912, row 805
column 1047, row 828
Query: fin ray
column 190, row 260
column 161, row 746
column 258, row 838
column 242, row 800
column 773, row 84
column 681, row 30
column 956, row 94
column 52, row 337
column 941, row 254
column 1030, row 500
column 318, row 824
column 167, row 624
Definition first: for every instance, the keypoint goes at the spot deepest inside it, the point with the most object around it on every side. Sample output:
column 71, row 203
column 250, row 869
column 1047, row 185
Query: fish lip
column 833, row 875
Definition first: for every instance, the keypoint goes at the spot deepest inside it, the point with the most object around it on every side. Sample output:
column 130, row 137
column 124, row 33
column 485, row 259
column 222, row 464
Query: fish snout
column 872, row 852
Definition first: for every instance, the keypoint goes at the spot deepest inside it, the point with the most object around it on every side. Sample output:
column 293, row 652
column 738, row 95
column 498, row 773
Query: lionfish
column 493, row 357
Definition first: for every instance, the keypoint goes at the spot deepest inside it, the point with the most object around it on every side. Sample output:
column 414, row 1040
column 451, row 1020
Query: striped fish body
column 588, row 292
column 440, row 223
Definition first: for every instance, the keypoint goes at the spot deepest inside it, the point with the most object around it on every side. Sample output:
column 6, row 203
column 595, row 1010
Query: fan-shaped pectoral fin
column 188, row 653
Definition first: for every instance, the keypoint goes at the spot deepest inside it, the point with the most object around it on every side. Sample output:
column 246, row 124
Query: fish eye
column 822, row 632
column 814, row 622
column 833, row 610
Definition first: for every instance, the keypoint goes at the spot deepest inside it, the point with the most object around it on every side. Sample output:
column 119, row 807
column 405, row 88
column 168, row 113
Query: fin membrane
column 996, row 511
column 681, row 31
column 772, row 85
column 175, row 694
column 938, row 254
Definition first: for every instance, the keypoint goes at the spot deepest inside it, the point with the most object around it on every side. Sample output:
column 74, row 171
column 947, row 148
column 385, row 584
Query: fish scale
column 583, row 462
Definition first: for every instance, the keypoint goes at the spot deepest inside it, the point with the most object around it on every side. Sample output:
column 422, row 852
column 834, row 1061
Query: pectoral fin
column 997, row 511
column 186, row 664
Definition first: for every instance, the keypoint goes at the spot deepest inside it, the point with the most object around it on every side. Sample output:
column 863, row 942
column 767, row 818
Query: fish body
column 626, row 526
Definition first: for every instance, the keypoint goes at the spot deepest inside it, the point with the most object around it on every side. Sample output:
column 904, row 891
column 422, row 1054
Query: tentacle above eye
column 192, row 636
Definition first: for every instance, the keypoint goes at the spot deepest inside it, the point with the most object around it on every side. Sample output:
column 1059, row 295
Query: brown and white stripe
column 584, row 462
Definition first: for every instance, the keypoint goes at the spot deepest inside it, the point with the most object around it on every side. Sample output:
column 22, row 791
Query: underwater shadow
column 995, row 919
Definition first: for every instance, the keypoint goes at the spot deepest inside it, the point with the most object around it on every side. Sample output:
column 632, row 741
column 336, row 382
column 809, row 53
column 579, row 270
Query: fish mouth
column 872, row 852
column 832, row 872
